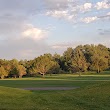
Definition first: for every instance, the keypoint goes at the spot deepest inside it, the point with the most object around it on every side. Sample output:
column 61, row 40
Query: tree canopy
column 80, row 59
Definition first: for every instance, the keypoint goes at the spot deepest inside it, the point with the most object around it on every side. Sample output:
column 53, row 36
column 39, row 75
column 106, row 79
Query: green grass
column 93, row 94
column 55, row 80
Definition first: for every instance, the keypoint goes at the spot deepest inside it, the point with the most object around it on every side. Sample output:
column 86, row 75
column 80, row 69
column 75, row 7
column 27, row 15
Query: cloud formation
column 61, row 14
column 20, row 37
column 89, row 19
column 103, row 5
column 85, row 7
column 34, row 33
column 71, row 10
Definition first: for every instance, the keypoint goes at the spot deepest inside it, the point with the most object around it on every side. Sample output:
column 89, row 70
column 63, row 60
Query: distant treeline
column 80, row 59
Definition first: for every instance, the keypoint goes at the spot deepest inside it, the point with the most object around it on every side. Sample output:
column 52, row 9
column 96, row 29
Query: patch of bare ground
column 51, row 88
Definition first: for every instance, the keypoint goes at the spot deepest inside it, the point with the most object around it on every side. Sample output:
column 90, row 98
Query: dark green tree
column 78, row 60
column 44, row 64
column 67, row 60
column 99, row 59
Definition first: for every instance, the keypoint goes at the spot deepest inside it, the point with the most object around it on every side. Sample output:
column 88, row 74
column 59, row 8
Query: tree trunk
column 98, row 70
column 2, row 77
column 20, row 76
column 43, row 74
column 79, row 74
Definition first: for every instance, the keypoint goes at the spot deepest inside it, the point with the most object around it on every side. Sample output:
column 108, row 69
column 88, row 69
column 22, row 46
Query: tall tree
column 13, row 70
column 21, row 70
column 67, row 60
column 79, row 60
column 99, row 58
column 44, row 64
column 3, row 72
column 109, row 58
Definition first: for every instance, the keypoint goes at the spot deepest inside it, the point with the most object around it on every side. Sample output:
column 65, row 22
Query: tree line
column 74, row 60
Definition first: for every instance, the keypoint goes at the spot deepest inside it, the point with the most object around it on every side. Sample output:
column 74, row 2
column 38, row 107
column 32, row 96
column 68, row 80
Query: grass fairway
column 93, row 94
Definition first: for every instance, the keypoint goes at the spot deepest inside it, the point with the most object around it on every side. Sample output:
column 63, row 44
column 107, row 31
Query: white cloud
column 62, row 9
column 71, row 12
column 55, row 4
column 85, row 7
column 61, row 14
column 57, row 13
column 18, row 37
column 35, row 33
column 21, row 40
column 89, row 19
column 103, row 5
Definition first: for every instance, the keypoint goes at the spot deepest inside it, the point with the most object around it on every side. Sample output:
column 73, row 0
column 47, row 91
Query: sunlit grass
column 91, row 97
column 93, row 94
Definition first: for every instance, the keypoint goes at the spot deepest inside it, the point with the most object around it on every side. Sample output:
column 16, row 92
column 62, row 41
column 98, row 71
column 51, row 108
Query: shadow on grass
column 53, row 82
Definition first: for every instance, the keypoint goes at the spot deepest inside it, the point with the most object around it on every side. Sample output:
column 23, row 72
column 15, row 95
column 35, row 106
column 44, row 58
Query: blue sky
column 29, row 28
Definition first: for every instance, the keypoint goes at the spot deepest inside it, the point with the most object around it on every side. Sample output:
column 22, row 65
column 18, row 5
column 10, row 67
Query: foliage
column 3, row 72
column 16, row 69
column 99, row 58
column 45, row 64
column 21, row 70
column 67, row 58
column 80, row 59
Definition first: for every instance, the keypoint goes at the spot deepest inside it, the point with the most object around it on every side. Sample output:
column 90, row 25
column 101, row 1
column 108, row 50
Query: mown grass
column 93, row 94
column 55, row 80
column 94, row 97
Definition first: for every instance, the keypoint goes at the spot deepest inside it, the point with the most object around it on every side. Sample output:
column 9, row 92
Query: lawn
column 93, row 94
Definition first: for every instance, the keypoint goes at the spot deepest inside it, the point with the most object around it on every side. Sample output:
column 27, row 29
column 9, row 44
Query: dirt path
column 51, row 88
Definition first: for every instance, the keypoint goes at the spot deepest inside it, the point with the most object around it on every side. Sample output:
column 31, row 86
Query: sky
column 29, row 28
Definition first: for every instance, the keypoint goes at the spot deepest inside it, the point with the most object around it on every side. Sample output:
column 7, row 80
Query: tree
column 109, row 58
column 78, row 60
column 3, row 72
column 6, row 65
column 13, row 72
column 21, row 70
column 56, row 58
column 67, row 60
column 99, row 58
column 44, row 64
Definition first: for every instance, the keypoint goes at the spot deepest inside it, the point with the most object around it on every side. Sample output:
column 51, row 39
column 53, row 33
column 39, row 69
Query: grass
column 93, row 94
